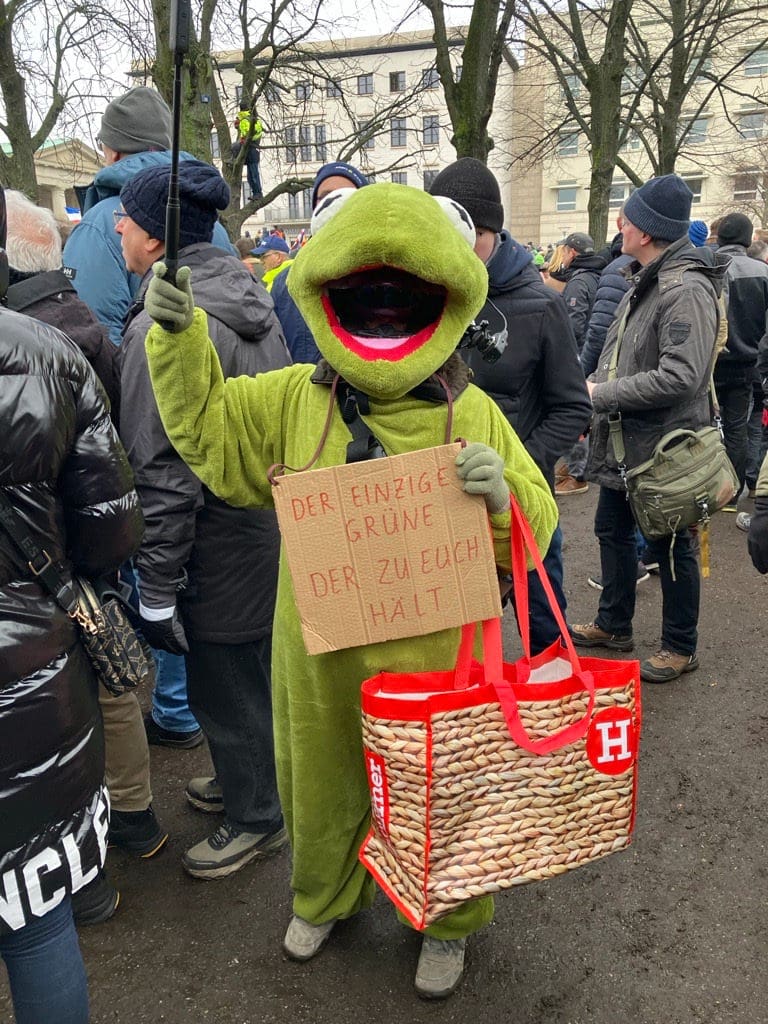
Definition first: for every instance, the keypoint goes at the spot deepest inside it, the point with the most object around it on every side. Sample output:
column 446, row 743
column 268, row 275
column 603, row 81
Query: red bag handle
column 521, row 538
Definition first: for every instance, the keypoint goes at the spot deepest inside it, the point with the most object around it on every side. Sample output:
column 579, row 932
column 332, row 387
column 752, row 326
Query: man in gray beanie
column 668, row 322
column 135, row 134
column 207, row 572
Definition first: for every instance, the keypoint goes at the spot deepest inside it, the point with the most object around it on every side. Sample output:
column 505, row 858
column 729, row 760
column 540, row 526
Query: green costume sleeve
column 217, row 427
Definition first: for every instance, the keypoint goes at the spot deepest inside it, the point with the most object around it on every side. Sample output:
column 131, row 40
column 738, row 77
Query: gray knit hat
column 469, row 182
column 137, row 121
column 661, row 208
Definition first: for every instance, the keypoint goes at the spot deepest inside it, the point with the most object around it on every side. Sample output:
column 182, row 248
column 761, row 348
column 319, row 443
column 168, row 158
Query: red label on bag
column 612, row 741
column 377, row 783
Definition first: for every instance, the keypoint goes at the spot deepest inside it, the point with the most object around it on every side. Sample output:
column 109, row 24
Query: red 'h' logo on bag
column 377, row 783
column 612, row 741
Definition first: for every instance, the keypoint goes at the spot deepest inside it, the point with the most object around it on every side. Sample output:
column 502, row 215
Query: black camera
column 490, row 346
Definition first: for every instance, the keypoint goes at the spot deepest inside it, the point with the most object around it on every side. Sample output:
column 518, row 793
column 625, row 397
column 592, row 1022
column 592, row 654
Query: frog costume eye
column 388, row 285
column 328, row 206
column 459, row 217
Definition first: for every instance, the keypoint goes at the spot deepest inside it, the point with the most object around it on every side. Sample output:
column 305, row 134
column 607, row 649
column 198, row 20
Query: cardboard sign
column 387, row 548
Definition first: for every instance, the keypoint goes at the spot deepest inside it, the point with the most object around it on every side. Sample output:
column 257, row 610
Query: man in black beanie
column 200, row 557
column 736, row 373
column 668, row 322
column 537, row 381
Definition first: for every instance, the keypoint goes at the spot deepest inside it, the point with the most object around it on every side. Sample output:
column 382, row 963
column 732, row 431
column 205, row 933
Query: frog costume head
column 388, row 283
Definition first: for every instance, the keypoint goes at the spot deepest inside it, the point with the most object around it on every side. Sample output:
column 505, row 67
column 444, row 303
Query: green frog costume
column 388, row 284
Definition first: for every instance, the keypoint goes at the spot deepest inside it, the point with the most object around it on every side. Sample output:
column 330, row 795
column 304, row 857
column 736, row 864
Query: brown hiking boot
column 561, row 472
column 591, row 635
column 570, row 485
column 666, row 665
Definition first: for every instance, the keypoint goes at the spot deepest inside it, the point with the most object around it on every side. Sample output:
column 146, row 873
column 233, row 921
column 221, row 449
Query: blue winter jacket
column 93, row 259
column 299, row 338
column 610, row 288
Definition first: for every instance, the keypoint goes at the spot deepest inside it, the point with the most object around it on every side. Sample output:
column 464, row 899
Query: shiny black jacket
column 66, row 474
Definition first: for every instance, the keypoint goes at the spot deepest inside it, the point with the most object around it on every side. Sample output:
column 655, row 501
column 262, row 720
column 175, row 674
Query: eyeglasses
column 118, row 216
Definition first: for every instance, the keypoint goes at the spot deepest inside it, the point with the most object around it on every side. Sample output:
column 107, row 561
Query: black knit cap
column 661, row 208
column 202, row 192
column 735, row 229
column 469, row 182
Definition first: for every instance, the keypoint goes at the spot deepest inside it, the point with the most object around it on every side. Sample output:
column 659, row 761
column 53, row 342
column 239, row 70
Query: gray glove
column 482, row 470
column 169, row 305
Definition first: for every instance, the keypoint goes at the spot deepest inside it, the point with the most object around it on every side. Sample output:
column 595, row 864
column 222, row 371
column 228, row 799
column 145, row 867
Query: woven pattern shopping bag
column 494, row 775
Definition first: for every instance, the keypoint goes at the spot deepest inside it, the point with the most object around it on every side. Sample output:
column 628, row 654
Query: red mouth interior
column 383, row 312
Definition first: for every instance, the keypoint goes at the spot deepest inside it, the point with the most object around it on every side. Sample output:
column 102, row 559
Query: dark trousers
column 230, row 694
column 733, row 396
column 252, row 160
column 615, row 530
column 544, row 628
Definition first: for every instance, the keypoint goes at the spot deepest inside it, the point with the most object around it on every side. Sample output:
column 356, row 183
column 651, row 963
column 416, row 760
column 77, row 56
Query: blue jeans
column 230, row 692
column 615, row 530
column 46, row 970
column 170, row 707
column 544, row 628
column 733, row 395
column 252, row 161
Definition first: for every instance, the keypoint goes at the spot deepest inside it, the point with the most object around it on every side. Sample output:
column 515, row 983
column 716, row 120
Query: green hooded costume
column 387, row 285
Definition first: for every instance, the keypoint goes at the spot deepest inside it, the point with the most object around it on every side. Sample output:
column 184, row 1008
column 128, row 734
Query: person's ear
column 155, row 248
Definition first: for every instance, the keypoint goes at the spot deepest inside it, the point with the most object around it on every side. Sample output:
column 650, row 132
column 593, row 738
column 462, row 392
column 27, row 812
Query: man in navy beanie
column 200, row 557
column 665, row 330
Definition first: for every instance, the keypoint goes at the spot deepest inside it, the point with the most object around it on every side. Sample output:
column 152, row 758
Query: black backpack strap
column 36, row 288
column 364, row 445
column 38, row 560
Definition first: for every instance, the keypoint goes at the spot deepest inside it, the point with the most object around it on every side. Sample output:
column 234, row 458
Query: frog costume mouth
column 387, row 284
column 383, row 312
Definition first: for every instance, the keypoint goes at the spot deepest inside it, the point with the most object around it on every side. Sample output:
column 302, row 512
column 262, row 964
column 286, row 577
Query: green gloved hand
column 482, row 470
column 169, row 305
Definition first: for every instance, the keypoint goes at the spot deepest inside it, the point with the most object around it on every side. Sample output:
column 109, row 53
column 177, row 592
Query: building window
column 430, row 79
column 246, row 193
column 303, row 90
column 215, row 151
column 696, row 131
column 290, row 145
column 321, row 148
column 397, row 81
column 362, row 128
column 694, row 184
column 756, row 63
column 565, row 199
column 399, row 177
column 632, row 79
column 745, row 187
column 751, row 124
column 457, row 73
column 365, row 85
column 568, row 144
column 271, row 93
column 429, row 179
column 333, row 90
column 631, row 141
column 572, row 86
column 305, row 142
column 704, row 74
column 430, row 130
column 238, row 95
column 397, row 133
column 300, row 205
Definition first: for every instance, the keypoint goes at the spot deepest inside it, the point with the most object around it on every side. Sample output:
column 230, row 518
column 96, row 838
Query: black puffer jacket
column 228, row 555
column 66, row 474
column 537, row 382
column 579, row 292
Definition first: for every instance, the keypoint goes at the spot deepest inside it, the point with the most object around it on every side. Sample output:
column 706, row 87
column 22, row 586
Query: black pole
column 181, row 15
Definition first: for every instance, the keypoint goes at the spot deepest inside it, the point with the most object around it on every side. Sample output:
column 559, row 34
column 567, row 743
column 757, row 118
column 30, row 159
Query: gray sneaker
column 206, row 795
column 229, row 849
column 304, row 940
column 441, row 965
column 743, row 521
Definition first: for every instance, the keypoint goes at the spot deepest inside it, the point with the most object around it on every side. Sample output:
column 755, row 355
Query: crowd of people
column 141, row 416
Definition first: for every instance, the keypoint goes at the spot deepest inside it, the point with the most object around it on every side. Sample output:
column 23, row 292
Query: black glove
column 166, row 634
column 758, row 535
